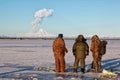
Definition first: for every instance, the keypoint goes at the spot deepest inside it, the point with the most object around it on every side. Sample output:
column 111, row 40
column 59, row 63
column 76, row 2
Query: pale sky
column 70, row 17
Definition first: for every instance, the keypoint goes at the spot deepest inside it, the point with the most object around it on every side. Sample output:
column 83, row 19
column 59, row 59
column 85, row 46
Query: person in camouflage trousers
column 98, row 49
column 80, row 51
column 59, row 50
column 95, row 49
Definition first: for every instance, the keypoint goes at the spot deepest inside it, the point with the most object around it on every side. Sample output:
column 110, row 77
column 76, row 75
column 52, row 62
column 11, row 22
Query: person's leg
column 96, row 62
column 76, row 64
column 62, row 64
column 82, row 64
column 93, row 63
column 99, row 63
column 57, row 63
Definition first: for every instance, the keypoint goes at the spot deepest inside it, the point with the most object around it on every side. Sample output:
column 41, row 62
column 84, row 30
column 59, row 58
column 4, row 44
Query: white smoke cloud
column 36, row 30
column 39, row 16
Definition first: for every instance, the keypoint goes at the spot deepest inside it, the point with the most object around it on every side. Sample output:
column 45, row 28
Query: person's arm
column 65, row 49
column 53, row 46
column 87, row 49
column 92, row 46
column 62, row 45
column 74, row 49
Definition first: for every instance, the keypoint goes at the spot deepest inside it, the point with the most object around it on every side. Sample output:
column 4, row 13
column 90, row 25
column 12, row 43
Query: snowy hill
column 39, row 33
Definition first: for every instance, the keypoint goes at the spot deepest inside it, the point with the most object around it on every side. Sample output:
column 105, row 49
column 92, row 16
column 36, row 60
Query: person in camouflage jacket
column 80, row 51
column 95, row 49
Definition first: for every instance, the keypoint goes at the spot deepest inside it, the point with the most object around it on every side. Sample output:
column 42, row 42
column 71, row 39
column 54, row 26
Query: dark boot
column 82, row 70
column 75, row 70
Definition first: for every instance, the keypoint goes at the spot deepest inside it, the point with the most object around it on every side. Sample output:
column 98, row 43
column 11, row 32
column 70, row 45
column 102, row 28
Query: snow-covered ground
column 34, row 58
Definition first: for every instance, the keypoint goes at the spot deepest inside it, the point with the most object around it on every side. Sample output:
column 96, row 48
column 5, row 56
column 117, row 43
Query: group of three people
column 80, row 51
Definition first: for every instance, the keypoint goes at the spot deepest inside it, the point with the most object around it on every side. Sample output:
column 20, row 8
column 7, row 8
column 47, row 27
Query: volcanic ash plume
column 39, row 16
column 36, row 31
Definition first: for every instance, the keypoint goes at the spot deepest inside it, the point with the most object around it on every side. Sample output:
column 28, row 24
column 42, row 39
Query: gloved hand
column 74, row 54
column 87, row 54
column 74, row 51
column 66, row 51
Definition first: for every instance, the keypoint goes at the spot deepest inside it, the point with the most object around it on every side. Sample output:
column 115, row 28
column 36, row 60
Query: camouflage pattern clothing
column 95, row 49
column 80, row 51
column 102, row 52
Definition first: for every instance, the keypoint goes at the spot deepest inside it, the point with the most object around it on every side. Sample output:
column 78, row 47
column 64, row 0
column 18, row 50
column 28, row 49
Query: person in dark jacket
column 59, row 50
column 80, row 51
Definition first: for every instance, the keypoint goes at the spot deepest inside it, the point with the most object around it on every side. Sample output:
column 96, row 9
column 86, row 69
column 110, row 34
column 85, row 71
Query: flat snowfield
column 34, row 59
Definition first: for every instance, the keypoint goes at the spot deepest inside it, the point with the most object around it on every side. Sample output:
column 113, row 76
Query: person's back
column 58, row 45
column 59, row 50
